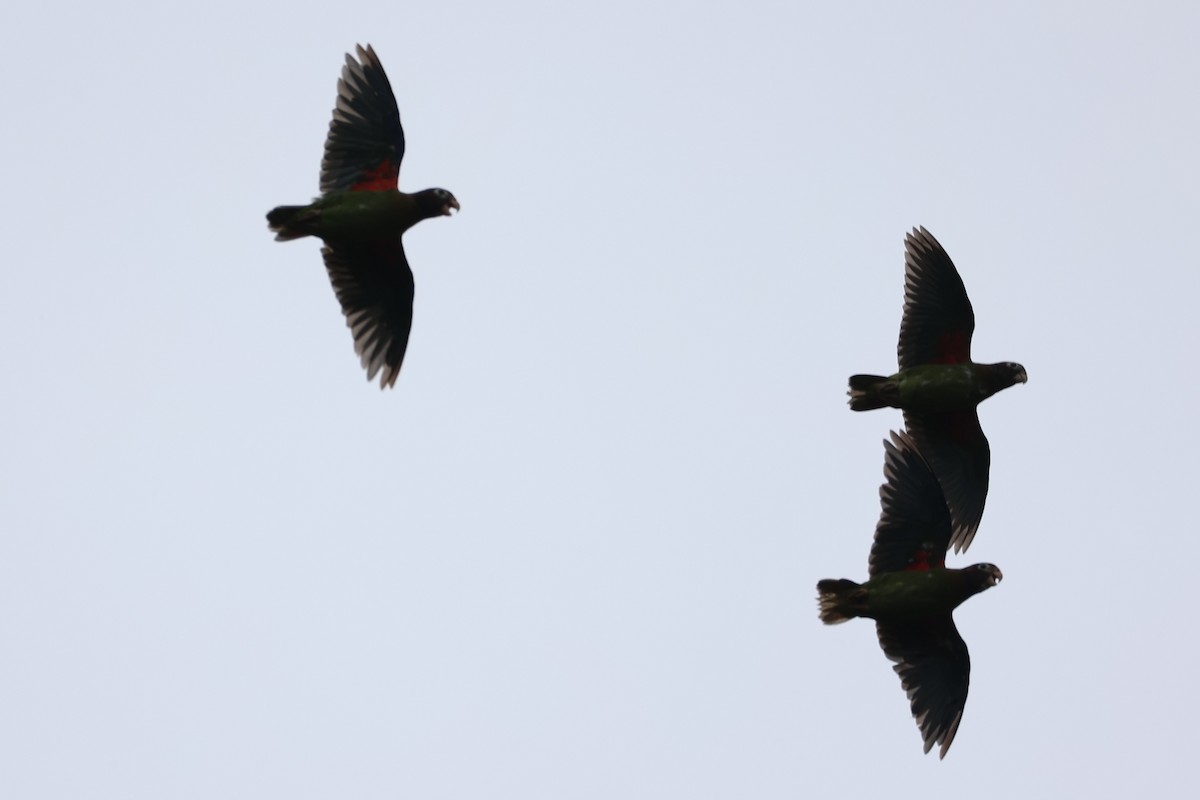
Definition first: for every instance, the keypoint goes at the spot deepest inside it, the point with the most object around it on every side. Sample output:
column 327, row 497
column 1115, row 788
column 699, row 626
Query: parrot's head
column 985, row 576
column 436, row 202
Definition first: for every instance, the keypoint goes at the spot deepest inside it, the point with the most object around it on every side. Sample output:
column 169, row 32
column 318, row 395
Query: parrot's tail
column 291, row 222
column 840, row 600
column 872, row 391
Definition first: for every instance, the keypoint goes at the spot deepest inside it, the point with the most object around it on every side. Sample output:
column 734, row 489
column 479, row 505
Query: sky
column 573, row 553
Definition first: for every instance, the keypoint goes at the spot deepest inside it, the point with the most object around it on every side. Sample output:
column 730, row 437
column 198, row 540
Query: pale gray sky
column 573, row 554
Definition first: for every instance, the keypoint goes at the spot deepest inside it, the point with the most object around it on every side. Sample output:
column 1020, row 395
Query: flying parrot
column 938, row 386
column 911, row 593
column 361, row 216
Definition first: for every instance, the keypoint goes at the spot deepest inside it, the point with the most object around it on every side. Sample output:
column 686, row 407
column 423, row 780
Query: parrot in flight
column 938, row 386
column 911, row 593
column 361, row 216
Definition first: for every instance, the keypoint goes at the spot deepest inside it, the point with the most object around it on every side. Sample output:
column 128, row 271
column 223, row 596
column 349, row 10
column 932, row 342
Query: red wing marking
column 921, row 562
column 381, row 178
column 953, row 347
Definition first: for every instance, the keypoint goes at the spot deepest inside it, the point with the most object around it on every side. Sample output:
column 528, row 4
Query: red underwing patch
column 378, row 179
column 953, row 347
column 919, row 562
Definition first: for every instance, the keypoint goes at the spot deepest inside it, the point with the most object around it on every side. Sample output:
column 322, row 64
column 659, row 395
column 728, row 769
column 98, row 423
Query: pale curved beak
column 451, row 203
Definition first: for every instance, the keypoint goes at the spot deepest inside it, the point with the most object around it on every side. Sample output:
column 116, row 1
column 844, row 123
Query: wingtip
column 963, row 536
column 900, row 441
column 920, row 232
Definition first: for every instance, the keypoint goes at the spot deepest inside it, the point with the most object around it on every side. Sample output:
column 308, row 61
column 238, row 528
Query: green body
column 934, row 388
column 941, row 387
column 904, row 596
column 915, row 595
column 358, row 216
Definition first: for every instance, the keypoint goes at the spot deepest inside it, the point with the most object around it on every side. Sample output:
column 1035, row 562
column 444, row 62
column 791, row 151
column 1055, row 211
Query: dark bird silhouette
column 361, row 216
column 911, row 593
column 938, row 385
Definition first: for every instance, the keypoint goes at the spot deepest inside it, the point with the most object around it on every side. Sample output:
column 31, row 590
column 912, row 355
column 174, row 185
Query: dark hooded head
column 982, row 576
column 1005, row 374
column 435, row 203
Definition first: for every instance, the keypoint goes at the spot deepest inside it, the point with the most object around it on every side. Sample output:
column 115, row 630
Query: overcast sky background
column 573, row 553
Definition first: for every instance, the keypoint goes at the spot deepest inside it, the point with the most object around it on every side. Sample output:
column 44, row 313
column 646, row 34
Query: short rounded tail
column 868, row 392
column 290, row 222
column 839, row 600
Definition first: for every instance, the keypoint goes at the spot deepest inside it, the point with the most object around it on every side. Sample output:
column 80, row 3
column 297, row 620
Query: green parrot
column 911, row 593
column 361, row 215
column 938, row 386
